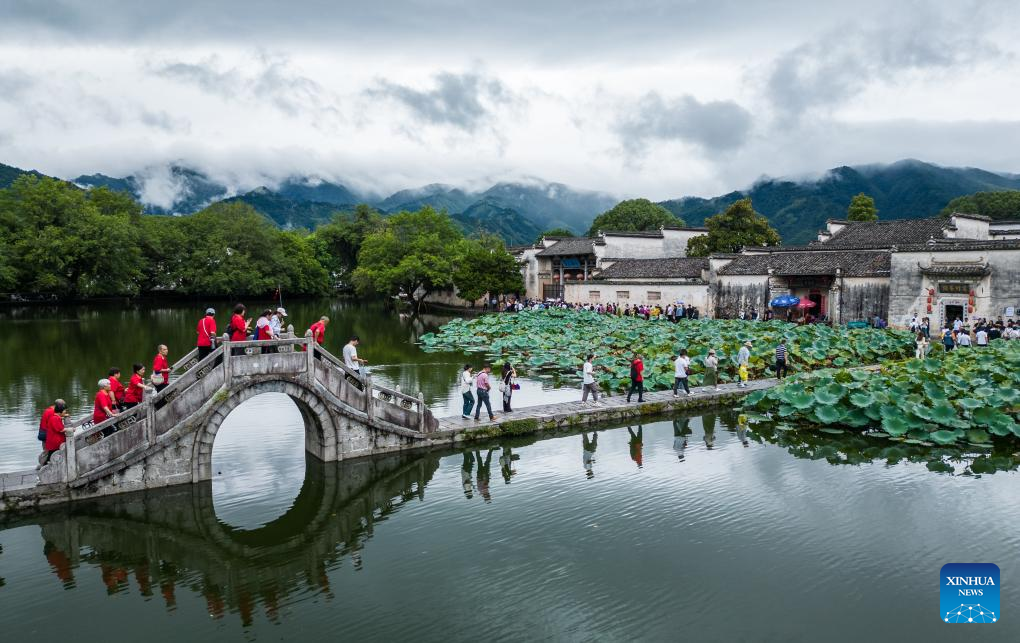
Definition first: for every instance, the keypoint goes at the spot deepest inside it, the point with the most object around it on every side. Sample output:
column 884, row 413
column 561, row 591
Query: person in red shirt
column 104, row 407
column 238, row 328
column 44, row 422
column 55, row 430
column 161, row 368
column 637, row 379
column 318, row 330
column 206, row 333
column 135, row 391
column 116, row 388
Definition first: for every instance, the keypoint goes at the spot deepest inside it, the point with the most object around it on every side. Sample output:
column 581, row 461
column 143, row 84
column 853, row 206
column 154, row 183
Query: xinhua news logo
column 969, row 593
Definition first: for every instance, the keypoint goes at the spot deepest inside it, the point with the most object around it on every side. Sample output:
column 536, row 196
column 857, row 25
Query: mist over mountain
column 519, row 211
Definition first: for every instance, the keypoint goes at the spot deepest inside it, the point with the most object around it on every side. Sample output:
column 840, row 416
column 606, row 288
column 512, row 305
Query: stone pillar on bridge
column 71, row 455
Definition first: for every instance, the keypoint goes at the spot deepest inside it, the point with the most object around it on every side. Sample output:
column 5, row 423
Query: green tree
column 634, row 215
column 733, row 229
column 555, row 232
column 66, row 241
column 484, row 266
column 1001, row 204
column 414, row 253
column 862, row 208
column 338, row 242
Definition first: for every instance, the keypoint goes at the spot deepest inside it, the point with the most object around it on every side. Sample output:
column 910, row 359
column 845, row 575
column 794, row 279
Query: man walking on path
column 743, row 360
column 482, row 387
column 712, row 370
column 351, row 359
column 963, row 337
column 681, row 366
column 588, row 382
column 637, row 379
column 466, row 380
column 781, row 359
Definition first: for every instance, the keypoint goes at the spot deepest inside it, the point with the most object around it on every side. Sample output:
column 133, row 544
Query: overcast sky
column 638, row 98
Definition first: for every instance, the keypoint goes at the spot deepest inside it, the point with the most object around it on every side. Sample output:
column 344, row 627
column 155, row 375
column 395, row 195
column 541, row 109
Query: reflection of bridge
column 170, row 538
column 168, row 439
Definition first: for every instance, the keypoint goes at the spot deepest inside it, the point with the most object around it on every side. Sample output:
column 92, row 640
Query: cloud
column 270, row 79
column 14, row 84
column 464, row 101
column 827, row 72
column 715, row 126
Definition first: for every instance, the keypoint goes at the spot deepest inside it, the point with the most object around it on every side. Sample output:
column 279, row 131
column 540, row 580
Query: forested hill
column 902, row 190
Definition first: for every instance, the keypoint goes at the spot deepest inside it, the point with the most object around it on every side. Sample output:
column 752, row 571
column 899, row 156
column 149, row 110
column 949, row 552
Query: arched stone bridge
column 168, row 439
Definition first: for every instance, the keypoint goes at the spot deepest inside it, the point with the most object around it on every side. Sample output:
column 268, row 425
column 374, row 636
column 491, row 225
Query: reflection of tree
column 171, row 537
column 853, row 448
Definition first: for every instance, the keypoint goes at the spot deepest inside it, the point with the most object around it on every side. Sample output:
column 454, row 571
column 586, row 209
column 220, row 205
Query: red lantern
column 970, row 309
column 929, row 301
column 929, row 307
column 970, row 300
column 931, row 291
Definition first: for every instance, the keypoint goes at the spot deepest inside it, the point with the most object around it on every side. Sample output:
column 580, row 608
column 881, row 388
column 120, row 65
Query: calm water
column 686, row 528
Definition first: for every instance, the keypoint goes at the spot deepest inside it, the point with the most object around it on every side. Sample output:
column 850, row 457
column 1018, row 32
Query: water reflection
column 172, row 539
column 161, row 543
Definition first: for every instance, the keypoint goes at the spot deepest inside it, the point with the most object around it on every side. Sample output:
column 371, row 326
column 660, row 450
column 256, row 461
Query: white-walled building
column 959, row 266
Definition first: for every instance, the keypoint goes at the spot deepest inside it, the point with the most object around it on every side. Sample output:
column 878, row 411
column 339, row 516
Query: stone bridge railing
column 196, row 386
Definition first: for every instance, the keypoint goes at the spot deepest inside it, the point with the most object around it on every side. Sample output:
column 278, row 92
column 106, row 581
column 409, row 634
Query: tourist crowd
column 114, row 396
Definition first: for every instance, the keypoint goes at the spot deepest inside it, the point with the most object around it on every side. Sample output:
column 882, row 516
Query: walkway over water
column 168, row 439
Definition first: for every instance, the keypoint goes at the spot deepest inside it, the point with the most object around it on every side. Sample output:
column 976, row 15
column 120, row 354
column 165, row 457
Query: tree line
column 57, row 239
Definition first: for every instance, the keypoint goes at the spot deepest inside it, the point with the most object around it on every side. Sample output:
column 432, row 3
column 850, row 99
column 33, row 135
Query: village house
column 962, row 266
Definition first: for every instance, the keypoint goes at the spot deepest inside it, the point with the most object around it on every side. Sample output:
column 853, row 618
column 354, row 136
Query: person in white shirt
column 963, row 338
column 681, row 367
column 351, row 359
column 982, row 337
column 276, row 322
column 466, row 380
column 957, row 325
column 588, row 382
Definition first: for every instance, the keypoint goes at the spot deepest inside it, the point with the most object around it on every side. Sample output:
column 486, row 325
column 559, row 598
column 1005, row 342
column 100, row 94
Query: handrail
column 397, row 394
column 176, row 384
column 327, row 356
column 110, row 421
column 184, row 360
column 261, row 343
column 339, row 363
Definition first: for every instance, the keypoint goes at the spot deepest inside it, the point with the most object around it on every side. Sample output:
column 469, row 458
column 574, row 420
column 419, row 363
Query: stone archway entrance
column 320, row 427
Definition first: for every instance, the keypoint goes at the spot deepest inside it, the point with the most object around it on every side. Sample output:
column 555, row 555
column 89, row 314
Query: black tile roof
column 651, row 234
column 961, row 270
column 668, row 268
column 570, row 246
column 885, row 234
column 954, row 245
column 852, row 263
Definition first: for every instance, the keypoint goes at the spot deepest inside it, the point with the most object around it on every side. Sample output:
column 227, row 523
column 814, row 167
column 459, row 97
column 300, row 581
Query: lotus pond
column 967, row 396
column 553, row 343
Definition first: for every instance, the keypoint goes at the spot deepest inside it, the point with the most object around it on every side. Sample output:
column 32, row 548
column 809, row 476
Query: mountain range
column 520, row 211
column 798, row 209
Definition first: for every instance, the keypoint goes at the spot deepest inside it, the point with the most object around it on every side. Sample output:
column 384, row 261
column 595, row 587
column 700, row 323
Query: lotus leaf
column 828, row 414
column 942, row 437
column 969, row 403
column 894, row 426
column 862, row 399
column 943, row 413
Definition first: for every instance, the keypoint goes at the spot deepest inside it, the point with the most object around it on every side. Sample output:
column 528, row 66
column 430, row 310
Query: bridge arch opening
column 249, row 446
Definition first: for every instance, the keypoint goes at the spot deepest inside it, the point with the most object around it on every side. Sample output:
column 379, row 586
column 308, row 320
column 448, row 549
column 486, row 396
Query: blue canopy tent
column 784, row 301
column 574, row 264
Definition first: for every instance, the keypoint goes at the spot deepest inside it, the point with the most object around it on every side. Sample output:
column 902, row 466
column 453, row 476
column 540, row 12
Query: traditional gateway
column 962, row 266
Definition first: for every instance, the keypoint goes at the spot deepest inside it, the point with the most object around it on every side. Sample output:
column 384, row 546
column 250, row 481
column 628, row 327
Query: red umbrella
column 806, row 303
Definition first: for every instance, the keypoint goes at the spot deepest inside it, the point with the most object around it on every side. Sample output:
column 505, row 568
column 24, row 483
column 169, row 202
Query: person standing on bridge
column 507, row 385
column 104, row 407
column 206, row 334
column 681, row 369
column 54, row 430
column 44, row 422
column 466, row 381
column 711, row 377
column 351, row 359
column 135, row 391
column 116, row 388
column 161, row 368
column 319, row 330
column 238, row 328
column 483, row 386
column 588, row 384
